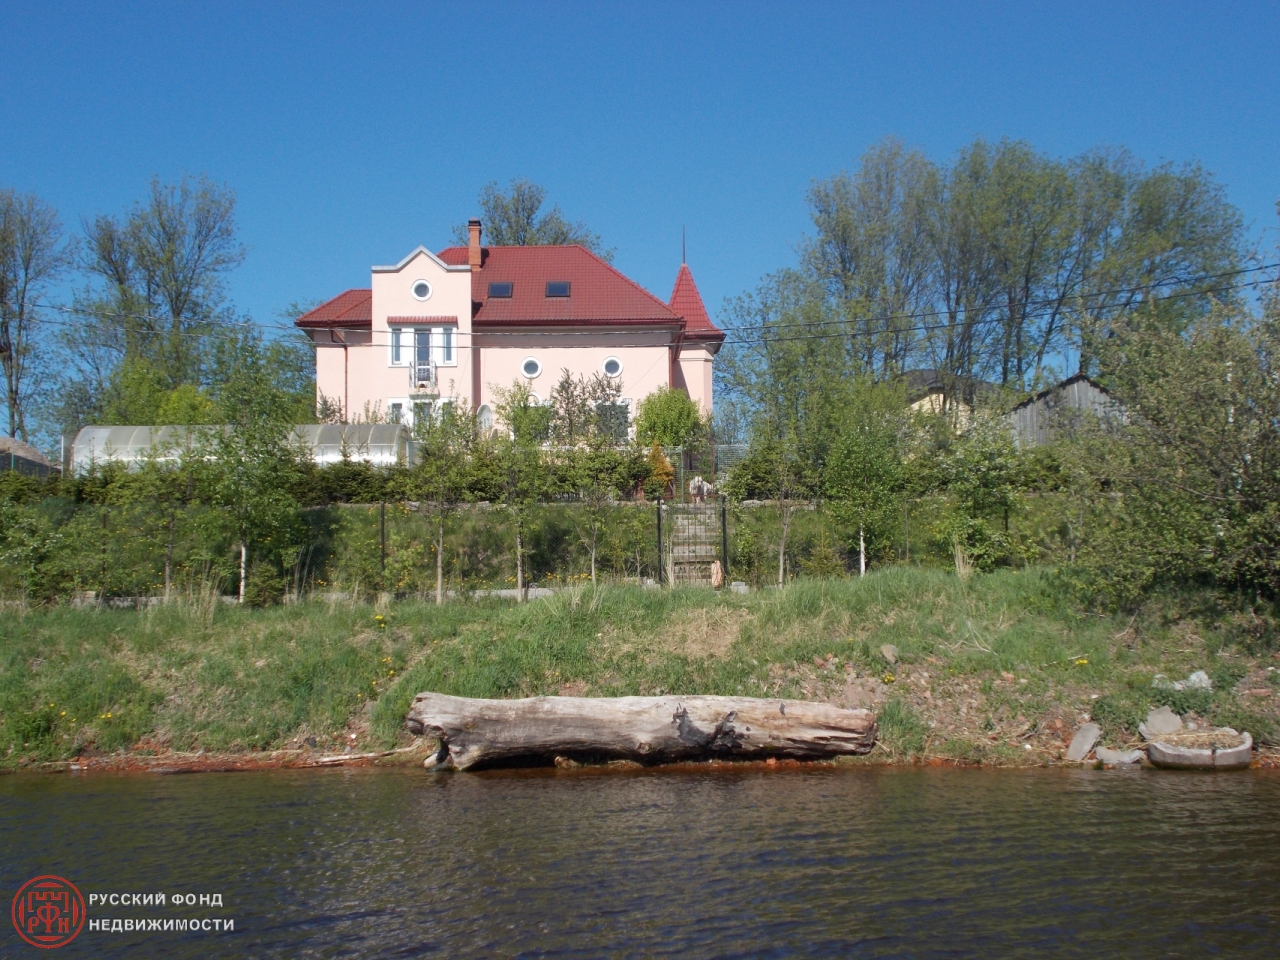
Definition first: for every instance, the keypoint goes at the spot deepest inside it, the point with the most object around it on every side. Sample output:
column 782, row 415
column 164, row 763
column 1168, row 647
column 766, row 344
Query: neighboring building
column 464, row 323
column 1037, row 420
column 932, row 391
column 23, row 458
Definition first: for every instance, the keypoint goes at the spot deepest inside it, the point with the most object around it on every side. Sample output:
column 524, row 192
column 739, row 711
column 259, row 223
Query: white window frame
column 630, row 404
column 406, row 409
column 605, row 363
column 413, row 289
column 404, row 338
column 525, row 373
column 442, row 339
column 396, row 345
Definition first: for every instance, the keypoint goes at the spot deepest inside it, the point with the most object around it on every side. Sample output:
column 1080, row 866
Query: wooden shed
column 23, row 458
column 1038, row 419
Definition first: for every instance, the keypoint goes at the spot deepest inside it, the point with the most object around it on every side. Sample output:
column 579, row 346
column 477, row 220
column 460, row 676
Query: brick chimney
column 473, row 244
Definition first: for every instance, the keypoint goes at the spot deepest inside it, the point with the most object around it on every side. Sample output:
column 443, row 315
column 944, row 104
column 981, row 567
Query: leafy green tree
column 1184, row 489
column 865, row 478
column 985, row 476
column 773, row 470
column 583, row 409
column 256, row 468
column 169, row 481
column 442, row 480
column 514, row 218
column 520, row 464
column 787, row 374
column 596, row 462
column 670, row 418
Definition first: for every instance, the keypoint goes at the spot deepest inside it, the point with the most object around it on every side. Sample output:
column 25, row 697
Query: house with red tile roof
column 459, row 325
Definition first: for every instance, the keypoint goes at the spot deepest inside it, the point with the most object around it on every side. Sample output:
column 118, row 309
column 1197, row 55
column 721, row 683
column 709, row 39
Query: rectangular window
column 422, row 355
column 396, row 413
column 395, row 345
column 557, row 288
column 502, row 290
column 447, row 345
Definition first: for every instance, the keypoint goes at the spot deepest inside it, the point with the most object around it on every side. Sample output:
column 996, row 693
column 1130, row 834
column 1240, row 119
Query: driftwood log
column 646, row 729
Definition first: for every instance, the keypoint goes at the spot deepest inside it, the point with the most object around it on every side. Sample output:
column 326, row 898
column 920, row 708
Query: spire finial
column 683, row 257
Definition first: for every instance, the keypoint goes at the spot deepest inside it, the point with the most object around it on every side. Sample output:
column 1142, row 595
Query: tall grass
column 202, row 674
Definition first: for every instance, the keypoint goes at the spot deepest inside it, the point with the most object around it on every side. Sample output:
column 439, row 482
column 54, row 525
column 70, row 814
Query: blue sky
column 353, row 132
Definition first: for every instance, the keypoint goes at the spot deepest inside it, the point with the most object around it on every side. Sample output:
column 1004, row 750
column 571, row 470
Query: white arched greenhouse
column 379, row 444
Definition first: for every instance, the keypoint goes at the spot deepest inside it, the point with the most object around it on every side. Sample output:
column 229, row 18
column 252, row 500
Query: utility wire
column 1055, row 305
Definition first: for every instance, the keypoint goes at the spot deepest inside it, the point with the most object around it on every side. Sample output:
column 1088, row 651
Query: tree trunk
column 646, row 729
column 519, row 565
column 782, row 546
column 862, row 553
column 168, row 560
column 244, row 563
column 440, row 562
column 594, row 538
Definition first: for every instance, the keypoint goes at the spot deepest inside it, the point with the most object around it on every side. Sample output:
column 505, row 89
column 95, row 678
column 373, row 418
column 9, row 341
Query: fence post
column 724, row 540
column 661, row 566
column 382, row 523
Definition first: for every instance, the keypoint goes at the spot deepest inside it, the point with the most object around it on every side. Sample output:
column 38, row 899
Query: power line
column 1055, row 302
column 1055, row 305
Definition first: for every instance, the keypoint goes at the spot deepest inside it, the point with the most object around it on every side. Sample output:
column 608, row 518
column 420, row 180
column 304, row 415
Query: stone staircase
column 694, row 543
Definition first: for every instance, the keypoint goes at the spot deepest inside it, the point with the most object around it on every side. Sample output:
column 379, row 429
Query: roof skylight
column 503, row 289
column 557, row 288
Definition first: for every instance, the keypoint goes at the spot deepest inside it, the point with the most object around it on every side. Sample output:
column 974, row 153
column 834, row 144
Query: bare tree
column 163, row 270
column 33, row 254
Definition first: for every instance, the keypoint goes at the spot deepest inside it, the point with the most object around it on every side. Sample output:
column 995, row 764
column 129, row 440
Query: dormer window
column 557, row 288
column 501, row 290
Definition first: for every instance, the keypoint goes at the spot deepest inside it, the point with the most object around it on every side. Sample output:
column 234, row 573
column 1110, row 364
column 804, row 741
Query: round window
column 612, row 366
column 421, row 290
column 530, row 368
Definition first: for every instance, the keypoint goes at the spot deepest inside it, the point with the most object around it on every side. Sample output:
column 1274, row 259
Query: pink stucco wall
column 644, row 354
column 361, row 377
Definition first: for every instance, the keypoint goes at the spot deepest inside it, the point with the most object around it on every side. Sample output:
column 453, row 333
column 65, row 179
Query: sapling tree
column 254, row 467
column 985, row 476
column 167, row 483
column 520, row 462
column 441, row 481
column 865, row 476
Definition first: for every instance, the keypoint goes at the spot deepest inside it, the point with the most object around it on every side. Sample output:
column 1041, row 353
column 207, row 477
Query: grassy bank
column 984, row 670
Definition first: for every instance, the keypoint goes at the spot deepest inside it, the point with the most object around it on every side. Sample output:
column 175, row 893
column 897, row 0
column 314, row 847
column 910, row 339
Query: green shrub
column 263, row 586
column 1120, row 713
column 1183, row 702
column 901, row 729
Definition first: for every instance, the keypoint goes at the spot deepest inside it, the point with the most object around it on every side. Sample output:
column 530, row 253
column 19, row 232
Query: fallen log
column 647, row 729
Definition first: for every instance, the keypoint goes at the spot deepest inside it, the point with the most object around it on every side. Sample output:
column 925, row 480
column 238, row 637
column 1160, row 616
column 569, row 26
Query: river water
column 832, row 862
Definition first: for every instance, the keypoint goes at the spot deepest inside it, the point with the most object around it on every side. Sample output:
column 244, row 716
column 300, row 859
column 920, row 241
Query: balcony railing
column 424, row 374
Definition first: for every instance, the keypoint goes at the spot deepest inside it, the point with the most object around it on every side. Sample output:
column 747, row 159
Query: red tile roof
column 598, row 292
column 351, row 309
column 687, row 302
column 412, row 320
